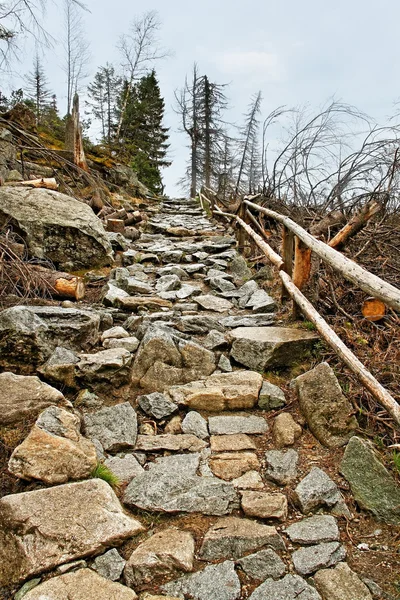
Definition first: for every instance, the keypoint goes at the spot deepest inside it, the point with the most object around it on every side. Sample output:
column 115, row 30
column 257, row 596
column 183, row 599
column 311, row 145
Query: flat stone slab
column 231, row 443
column 171, row 485
column 371, row 483
column 164, row 553
column 232, row 537
column 328, row 412
column 291, row 587
column 232, row 424
column 115, row 427
column 167, row 441
column 251, row 480
column 24, row 397
column 225, row 391
column 315, row 490
column 124, row 466
column 78, row 585
column 45, row 528
column 215, row 582
column 257, row 320
column 308, row 560
column 231, row 465
column 264, row 505
column 214, row 303
column 263, row 564
column 321, row 528
column 259, row 348
column 341, row 583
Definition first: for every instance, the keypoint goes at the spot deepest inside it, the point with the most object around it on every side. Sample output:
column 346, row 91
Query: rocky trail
column 152, row 453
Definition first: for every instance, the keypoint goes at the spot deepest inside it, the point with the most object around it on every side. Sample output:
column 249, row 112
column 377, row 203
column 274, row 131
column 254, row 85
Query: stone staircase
column 222, row 492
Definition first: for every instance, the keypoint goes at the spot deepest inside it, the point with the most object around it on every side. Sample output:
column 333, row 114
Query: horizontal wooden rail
column 368, row 282
column 328, row 334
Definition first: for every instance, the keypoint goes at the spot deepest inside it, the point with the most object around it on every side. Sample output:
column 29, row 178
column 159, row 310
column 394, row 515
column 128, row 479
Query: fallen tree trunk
column 48, row 183
column 61, row 285
column 356, row 224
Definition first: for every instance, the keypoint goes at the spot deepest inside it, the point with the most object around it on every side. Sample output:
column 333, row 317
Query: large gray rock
column 263, row 564
column 239, row 268
column 214, row 303
column 326, row 409
column 171, row 485
column 54, row 451
column 29, row 334
column 261, row 302
column 259, row 348
column 215, row 582
column 321, row 528
column 372, row 485
column 164, row 553
column 45, row 528
column 291, row 587
column 341, row 583
column 80, row 585
column 115, row 427
column 315, row 490
column 308, row 560
column 163, row 360
column 232, row 537
column 56, row 227
column 23, row 397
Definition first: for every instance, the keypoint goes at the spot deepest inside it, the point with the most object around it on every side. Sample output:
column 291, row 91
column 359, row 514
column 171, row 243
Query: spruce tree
column 104, row 92
column 143, row 138
column 37, row 89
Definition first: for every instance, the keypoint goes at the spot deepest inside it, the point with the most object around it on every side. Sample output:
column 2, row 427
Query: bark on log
column 61, row 285
column 334, row 218
column 368, row 282
column 366, row 378
column 48, row 183
column 356, row 224
column 115, row 225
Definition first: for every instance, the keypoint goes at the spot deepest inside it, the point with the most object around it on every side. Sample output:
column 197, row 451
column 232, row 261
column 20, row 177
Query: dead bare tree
column 248, row 143
column 76, row 49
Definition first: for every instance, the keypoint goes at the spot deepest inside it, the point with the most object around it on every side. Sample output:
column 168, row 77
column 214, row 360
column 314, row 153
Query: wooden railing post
column 302, row 268
column 287, row 255
column 242, row 233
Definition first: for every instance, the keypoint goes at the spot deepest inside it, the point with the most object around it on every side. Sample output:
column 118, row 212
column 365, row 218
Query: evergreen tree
column 143, row 138
column 37, row 90
column 104, row 92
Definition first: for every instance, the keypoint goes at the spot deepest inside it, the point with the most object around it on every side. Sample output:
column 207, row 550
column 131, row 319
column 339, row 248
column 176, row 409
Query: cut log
column 61, row 285
column 356, row 223
column 115, row 225
column 46, row 182
column 373, row 309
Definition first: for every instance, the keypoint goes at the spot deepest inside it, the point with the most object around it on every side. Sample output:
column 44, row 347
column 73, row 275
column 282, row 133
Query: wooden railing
column 294, row 267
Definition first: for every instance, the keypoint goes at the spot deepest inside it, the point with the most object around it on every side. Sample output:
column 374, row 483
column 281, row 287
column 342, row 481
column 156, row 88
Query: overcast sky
column 295, row 52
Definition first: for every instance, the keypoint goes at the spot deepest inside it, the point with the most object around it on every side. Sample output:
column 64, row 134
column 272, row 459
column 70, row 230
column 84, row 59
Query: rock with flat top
column 124, row 466
column 308, row 560
column 232, row 537
column 232, row 424
column 291, row 587
column 24, row 397
column 328, row 413
column 251, row 480
column 213, row 303
column 314, row 530
column 225, row 391
column 264, row 505
column 261, row 302
column 231, row 443
column 170, row 442
column 164, row 553
column 263, row 564
column 271, row 397
column 107, row 366
column 261, row 348
column 54, row 451
column 252, row 320
column 45, row 528
column 315, row 490
column 115, row 427
column 80, row 585
column 281, row 466
column 195, row 424
column 340, row 583
column 215, row 582
column 231, row 465
column 157, row 405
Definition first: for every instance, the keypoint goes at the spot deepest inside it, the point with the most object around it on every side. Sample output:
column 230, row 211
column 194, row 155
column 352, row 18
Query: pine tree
column 37, row 90
column 104, row 92
column 142, row 137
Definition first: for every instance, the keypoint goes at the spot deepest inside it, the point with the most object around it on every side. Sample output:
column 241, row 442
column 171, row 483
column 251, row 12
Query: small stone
column 174, row 426
column 230, row 465
column 215, row 582
column 232, row 537
column 111, row 367
column 226, row 425
column 210, row 302
column 164, row 553
column 341, row 583
column 130, row 343
column 264, row 505
column 88, row 400
column 231, row 443
column 224, row 364
column 186, row 291
column 114, row 333
column 315, row 490
column 263, row 564
column 168, row 283
column 285, row 430
column 308, row 560
column 195, row 424
column 147, row 429
column 71, row 566
column 281, row 466
column 29, row 585
column 315, row 530
column 261, row 302
column 291, row 587
column 173, row 443
column 115, row 427
column 124, row 466
column 136, row 286
column 249, row 481
column 271, row 397
column 109, row 565
column 215, row 340
column 157, row 405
